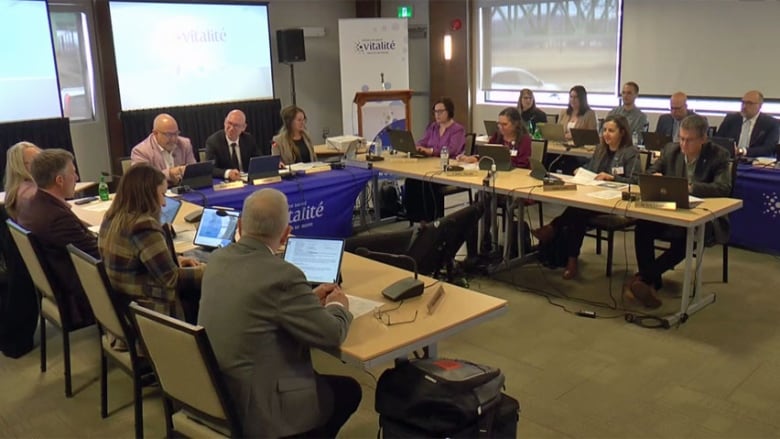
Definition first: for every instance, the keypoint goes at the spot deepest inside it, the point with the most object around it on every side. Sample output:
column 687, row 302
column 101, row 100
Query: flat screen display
column 172, row 54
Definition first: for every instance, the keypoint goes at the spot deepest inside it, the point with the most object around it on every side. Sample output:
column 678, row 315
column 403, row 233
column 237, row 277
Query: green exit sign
column 405, row 12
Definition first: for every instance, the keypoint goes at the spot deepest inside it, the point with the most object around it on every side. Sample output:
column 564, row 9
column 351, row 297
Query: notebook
column 318, row 258
column 655, row 141
column 402, row 141
column 664, row 188
column 491, row 127
column 584, row 137
column 217, row 228
column 500, row 155
column 552, row 131
column 170, row 210
column 198, row 175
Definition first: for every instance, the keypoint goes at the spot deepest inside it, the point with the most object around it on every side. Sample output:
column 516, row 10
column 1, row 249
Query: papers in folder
column 585, row 177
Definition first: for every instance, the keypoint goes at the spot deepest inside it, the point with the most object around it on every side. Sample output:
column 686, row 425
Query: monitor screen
column 172, row 54
column 318, row 258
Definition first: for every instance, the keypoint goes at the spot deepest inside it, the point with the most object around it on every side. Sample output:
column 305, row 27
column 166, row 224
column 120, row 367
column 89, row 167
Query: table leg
column 692, row 279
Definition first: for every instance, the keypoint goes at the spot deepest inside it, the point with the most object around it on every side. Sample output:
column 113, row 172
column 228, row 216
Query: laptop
column 318, row 258
column 500, row 155
column 491, row 127
column 655, row 141
column 584, row 137
column 170, row 210
column 217, row 228
column 665, row 188
column 552, row 131
column 403, row 141
column 198, row 175
column 539, row 172
column 261, row 167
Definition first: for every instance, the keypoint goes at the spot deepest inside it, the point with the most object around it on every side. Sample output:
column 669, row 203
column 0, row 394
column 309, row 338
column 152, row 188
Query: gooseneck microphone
column 403, row 289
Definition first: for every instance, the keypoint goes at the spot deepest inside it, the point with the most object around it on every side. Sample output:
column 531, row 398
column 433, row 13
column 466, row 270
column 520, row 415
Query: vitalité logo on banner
column 375, row 46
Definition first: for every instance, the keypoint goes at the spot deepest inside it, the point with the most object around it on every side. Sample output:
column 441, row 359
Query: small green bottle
column 103, row 189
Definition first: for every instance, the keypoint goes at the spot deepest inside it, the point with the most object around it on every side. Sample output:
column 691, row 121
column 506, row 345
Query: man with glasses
column 263, row 328
column 165, row 149
column 669, row 124
column 756, row 133
column 706, row 166
column 231, row 148
column 637, row 120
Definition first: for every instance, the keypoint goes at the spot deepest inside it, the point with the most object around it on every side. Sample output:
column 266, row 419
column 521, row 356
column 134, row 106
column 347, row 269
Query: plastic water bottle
column 103, row 189
column 378, row 147
column 635, row 138
column 445, row 157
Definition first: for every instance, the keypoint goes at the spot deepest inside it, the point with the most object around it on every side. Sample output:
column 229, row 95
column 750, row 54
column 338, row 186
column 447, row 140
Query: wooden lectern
column 362, row 97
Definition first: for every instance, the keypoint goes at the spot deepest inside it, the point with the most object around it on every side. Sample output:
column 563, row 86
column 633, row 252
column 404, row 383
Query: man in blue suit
column 669, row 124
column 756, row 133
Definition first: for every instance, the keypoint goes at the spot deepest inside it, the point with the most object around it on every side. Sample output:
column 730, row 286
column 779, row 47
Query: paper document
column 608, row 194
column 613, row 185
column 584, row 177
column 306, row 166
column 100, row 206
column 692, row 199
column 359, row 306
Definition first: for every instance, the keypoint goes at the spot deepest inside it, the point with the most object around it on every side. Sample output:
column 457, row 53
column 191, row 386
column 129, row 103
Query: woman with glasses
column 531, row 115
column 443, row 131
column 293, row 143
column 511, row 133
column 578, row 114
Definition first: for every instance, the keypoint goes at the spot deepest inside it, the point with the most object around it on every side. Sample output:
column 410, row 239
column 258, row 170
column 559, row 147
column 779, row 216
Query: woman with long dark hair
column 293, row 143
column 578, row 114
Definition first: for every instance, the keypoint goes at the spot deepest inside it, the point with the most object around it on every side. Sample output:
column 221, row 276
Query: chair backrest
column 125, row 163
column 106, row 306
column 185, row 365
column 552, row 118
column 538, row 149
column 29, row 249
column 202, row 155
column 471, row 139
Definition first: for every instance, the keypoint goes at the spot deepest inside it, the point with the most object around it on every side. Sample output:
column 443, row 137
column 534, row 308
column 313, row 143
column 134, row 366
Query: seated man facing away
column 164, row 149
column 49, row 217
column 231, row 148
column 262, row 329
column 706, row 166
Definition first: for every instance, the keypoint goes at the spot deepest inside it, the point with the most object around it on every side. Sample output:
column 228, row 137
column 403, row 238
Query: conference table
column 321, row 204
column 518, row 185
column 371, row 343
column 756, row 225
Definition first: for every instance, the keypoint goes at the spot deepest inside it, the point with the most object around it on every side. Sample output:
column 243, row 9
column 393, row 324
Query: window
column 548, row 46
column 74, row 62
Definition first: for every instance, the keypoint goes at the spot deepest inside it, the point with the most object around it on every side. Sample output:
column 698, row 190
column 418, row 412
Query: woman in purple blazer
column 443, row 131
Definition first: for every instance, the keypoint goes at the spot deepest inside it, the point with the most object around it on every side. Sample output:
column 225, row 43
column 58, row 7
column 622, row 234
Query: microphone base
column 404, row 289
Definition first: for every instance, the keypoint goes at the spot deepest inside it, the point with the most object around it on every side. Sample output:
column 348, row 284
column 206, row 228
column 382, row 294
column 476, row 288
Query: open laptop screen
column 217, row 228
column 318, row 258
column 170, row 210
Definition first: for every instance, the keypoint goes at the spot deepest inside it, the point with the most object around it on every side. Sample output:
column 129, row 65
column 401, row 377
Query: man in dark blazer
column 669, row 124
column 706, row 166
column 761, row 130
column 49, row 217
column 220, row 145
column 262, row 329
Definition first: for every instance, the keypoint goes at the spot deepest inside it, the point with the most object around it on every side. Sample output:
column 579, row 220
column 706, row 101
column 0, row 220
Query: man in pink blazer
column 165, row 149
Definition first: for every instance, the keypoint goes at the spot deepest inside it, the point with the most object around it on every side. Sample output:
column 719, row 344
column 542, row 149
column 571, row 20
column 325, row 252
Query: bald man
column 669, row 124
column 231, row 148
column 165, row 149
column 262, row 329
column 756, row 134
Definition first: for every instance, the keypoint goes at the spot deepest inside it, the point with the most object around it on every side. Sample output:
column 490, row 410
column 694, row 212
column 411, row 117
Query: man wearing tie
column 669, row 124
column 756, row 134
column 231, row 148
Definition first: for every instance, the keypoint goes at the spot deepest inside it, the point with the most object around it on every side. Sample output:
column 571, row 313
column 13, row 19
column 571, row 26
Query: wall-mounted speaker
column 289, row 44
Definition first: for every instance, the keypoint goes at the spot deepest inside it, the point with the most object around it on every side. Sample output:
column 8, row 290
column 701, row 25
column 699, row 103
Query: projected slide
column 170, row 54
column 28, row 77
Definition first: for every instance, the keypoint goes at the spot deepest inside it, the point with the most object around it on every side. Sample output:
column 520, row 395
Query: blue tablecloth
column 320, row 204
column 756, row 225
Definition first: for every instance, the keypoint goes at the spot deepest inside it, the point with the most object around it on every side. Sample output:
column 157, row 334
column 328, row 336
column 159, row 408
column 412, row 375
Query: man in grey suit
column 669, row 124
column 706, row 166
column 263, row 324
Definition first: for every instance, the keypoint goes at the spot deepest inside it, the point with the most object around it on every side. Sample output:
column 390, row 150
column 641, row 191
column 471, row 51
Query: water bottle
column 103, row 189
column 378, row 147
column 635, row 138
column 445, row 157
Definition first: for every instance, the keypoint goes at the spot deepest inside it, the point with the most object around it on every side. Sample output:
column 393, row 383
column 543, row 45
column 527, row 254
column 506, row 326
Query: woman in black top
column 526, row 103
